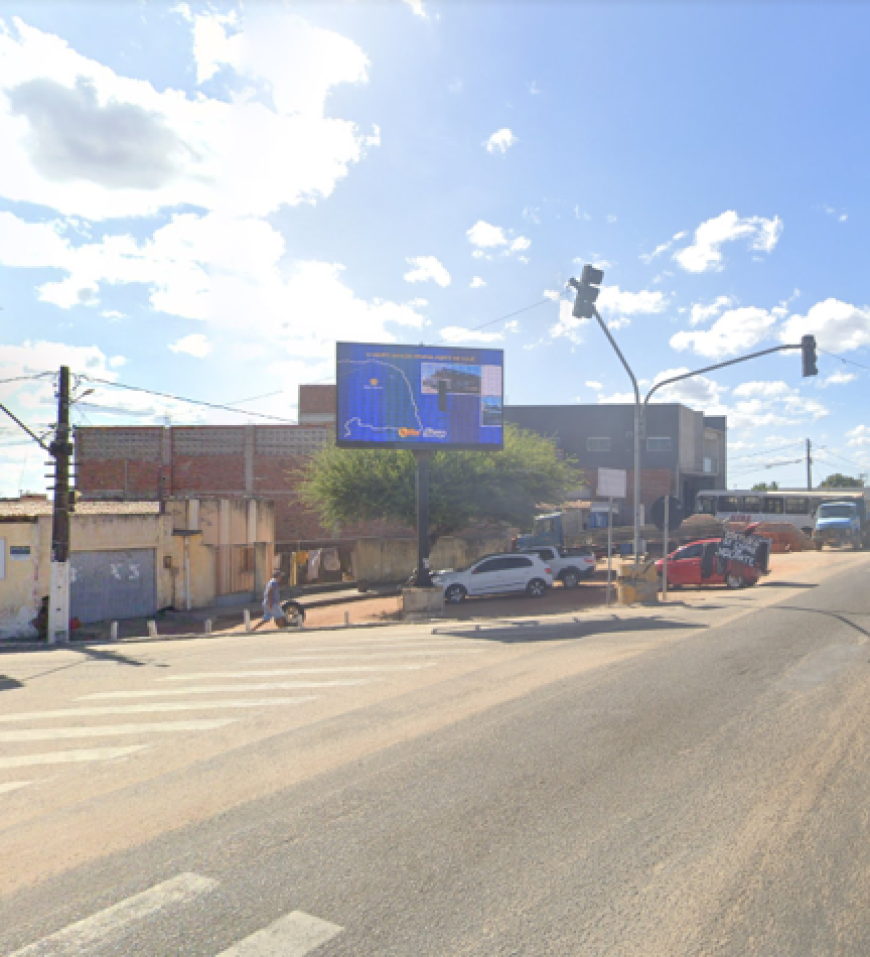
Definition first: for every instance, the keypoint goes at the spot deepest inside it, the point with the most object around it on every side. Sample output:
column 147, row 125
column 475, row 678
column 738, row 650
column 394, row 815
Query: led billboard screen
column 418, row 397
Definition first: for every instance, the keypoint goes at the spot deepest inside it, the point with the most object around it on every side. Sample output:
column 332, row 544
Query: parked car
column 568, row 565
column 494, row 574
column 699, row 564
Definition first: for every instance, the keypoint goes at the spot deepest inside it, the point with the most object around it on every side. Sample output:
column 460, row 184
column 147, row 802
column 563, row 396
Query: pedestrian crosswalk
column 205, row 702
column 121, row 927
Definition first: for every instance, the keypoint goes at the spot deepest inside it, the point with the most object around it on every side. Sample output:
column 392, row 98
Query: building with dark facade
column 682, row 452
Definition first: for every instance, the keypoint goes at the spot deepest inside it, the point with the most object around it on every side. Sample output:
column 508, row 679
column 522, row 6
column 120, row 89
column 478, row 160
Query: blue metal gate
column 112, row 585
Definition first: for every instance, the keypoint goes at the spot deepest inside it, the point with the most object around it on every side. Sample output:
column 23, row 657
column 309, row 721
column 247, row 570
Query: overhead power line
column 850, row 362
column 181, row 398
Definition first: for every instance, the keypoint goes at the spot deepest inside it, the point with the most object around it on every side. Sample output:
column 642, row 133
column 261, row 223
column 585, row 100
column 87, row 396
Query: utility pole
column 584, row 308
column 61, row 449
column 809, row 466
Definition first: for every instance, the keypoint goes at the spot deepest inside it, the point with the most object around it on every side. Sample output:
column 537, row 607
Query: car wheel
column 537, row 588
column 570, row 579
column 733, row 581
column 455, row 594
column 294, row 613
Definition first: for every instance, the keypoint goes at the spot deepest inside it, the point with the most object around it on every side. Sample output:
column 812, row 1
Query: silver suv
column 494, row 574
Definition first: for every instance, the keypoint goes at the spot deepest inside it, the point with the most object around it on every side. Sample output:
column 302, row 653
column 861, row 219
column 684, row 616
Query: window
column 493, row 565
column 690, row 551
column 773, row 506
column 601, row 444
column 751, row 503
column 706, row 505
column 518, row 562
column 729, row 503
column 796, row 506
column 660, row 443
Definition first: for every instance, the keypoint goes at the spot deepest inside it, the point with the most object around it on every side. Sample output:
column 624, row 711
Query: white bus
column 796, row 507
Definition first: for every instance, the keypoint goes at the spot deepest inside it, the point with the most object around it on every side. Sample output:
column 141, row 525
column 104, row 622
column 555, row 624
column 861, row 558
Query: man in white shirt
column 272, row 603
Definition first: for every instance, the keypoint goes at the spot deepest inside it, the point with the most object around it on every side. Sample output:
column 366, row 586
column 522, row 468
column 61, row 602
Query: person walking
column 272, row 603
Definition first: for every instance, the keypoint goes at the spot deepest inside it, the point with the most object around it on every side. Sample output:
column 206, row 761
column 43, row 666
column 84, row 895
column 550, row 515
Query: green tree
column 766, row 487
column 349, row 485
column 838, row 480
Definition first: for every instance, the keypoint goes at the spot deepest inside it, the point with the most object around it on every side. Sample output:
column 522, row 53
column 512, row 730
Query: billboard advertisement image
column 418, row 397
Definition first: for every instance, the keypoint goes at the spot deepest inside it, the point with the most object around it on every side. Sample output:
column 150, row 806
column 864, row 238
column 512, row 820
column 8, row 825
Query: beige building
column 129, row 559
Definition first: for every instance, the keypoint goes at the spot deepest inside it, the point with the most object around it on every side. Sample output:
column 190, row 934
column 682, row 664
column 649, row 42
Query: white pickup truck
column 568, row 565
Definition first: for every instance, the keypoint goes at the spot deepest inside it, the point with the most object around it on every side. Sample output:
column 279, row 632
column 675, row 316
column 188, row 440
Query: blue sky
column 201, row 199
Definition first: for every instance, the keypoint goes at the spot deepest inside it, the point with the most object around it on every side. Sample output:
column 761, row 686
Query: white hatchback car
column 494, row 574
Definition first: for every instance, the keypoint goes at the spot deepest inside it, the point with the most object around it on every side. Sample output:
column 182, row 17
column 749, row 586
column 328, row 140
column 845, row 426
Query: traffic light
column 587, row 292
column 808, row 355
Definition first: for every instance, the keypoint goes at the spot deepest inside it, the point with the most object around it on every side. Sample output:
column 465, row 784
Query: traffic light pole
column 61, row 449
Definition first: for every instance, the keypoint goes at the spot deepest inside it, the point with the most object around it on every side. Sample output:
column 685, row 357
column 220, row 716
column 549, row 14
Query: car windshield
column 836, row 511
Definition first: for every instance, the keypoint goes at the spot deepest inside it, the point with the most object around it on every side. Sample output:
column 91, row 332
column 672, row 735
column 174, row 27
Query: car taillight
column 547, row 570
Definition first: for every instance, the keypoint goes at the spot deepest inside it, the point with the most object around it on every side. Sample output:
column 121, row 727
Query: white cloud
column 705, row 253
column 194, row 345
column 500, row 141
column 859, row 435
column 838, row 326
column 486, row 236
column 701, row 312
column 458, row 334
column 614, row 301
column 427, row 269
column 592, row 384
column 83, row 140
column 735, row 331
column 759, row 389
column 616, row 304
column 477, row 282
column 534, row 89
column 418, row 7
column 483, row 234
column 611, row 218
column 552, row 294
column 837, row 378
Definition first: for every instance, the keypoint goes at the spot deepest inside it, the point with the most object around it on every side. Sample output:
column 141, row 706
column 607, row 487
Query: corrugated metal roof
column 30, row 508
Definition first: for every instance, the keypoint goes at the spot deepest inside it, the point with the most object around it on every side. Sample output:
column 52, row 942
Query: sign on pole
column 611, row 483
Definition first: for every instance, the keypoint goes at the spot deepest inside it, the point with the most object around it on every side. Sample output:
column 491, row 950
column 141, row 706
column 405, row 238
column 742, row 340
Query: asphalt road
column 688, row 781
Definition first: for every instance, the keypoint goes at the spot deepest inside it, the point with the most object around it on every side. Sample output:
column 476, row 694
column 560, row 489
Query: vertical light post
column 584, row 308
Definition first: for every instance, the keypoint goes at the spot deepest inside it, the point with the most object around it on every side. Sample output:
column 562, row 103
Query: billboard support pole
column 424, row 578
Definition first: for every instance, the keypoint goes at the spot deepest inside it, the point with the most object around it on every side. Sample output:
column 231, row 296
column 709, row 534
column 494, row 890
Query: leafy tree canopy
column 349, row 485
column 838, row 480
column 766, row 487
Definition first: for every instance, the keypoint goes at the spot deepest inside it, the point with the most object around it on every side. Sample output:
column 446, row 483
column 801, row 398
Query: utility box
column 420, row 604
column 637, row 584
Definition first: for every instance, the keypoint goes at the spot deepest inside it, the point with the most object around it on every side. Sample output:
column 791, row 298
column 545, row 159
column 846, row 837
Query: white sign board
column 611, row 483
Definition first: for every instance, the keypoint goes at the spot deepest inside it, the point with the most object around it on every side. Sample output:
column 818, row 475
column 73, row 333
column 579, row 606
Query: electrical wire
column 181, row 398
column 510, row 315
column 780, row 448
column 850, row 362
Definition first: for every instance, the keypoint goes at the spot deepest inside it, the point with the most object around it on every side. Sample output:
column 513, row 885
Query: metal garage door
column 112, row 585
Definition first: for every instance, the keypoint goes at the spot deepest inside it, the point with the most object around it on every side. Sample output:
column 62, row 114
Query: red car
column 699, row 564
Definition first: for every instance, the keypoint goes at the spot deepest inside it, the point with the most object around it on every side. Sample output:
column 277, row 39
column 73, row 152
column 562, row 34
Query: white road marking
column 93, row 931
column 392, row 644
column 368, row 655
column 223, row 689
column 78, row 756
column 109, row 730
column 294, row 935
column 155, row 708
column 13, row 786
column 198, row 676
